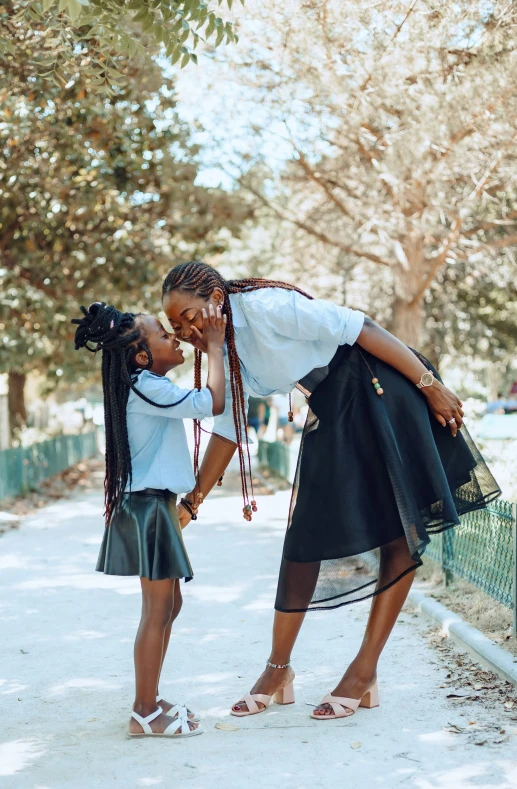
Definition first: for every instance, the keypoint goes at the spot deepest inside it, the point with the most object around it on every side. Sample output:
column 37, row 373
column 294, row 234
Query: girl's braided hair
column 200, row 279
column 120, row 338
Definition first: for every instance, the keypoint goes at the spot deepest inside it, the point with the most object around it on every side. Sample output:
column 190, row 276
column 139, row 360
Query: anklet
column 274, row 665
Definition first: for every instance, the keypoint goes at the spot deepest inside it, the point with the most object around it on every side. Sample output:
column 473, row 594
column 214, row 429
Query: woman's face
column 184, row 311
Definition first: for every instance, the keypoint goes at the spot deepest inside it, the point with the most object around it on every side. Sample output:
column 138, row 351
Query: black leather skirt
column 144, row 538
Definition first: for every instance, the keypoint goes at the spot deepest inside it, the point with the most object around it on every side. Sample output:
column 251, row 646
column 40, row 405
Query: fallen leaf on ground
column 477, row 686
column 480, row 742
column 226, row 727
column 356, row 744
column 509, row 705
column 454, row 728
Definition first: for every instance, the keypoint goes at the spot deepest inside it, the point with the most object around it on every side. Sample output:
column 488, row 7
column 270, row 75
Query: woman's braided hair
column 120, row 338
column 200, row 279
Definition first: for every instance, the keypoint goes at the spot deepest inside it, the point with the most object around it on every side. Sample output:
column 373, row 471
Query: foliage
column 62, row 38
column 395, row 123
column 98, row 198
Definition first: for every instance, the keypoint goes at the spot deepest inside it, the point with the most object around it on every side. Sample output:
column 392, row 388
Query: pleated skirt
column 376, row 476
column 144, row 538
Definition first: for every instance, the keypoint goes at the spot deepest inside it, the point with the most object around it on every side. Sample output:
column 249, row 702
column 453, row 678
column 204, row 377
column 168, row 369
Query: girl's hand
column 446, row 407
column 214, row 329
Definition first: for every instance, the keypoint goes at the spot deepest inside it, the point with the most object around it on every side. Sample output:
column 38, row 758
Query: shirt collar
column 239, row 319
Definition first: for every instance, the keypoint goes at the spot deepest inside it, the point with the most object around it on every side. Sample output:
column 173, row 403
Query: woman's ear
column 142, row 359
column 217, row 295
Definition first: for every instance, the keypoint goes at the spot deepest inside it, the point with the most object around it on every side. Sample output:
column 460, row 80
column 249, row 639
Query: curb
column 485, row 651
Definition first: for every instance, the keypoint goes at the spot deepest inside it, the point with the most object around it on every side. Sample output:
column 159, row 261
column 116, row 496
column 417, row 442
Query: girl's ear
column 142, row 359
column 217, row 295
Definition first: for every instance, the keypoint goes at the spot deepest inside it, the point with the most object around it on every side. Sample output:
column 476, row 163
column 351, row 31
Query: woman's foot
column 355, row 683
column 159, row 724
column 166, row 706
column 270, row 681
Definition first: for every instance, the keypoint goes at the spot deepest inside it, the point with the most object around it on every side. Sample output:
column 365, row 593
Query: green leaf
column 48, row 4
column 218, row 21
column 211, row 26
column 141, row 15
column 74, row 10
column 184, row 36
column 193, row 57
column 185, row 25
column 176, row 56
column 184, row 60
column 63, row 5
column 220, row 36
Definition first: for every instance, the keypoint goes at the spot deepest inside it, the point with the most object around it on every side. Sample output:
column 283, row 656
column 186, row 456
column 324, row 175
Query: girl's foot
column 270, row 681
column 354, row 685
column 166, row 706
column 159, row 724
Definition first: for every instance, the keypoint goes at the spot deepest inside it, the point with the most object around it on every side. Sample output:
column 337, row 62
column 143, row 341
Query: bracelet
column 188, row 506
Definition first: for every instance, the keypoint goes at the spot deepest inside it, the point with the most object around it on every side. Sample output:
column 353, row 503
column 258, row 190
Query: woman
column 382, row 462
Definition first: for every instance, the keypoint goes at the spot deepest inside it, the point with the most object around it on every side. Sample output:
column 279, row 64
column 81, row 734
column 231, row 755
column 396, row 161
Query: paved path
column 66, row 675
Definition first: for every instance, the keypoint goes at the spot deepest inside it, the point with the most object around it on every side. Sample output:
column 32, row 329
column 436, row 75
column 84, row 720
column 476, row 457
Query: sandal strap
column 337, row 702
column 144, row 722
column 251, row 701
column 181, row 722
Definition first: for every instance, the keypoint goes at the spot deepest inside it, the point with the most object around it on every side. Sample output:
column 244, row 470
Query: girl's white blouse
column 281, row 336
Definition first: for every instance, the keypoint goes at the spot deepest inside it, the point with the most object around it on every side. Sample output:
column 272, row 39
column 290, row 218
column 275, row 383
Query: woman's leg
column 157, row 608
column 285, row 632
column 386, row 607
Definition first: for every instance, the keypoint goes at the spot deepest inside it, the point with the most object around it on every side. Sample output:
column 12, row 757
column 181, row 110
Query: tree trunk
column 408, row 314
column 16, row 399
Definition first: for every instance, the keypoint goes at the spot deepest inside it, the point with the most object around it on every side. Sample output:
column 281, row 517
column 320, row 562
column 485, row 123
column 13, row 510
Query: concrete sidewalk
column 66, row 674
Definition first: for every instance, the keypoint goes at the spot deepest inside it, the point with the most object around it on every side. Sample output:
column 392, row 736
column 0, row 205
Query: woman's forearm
column 218, row 454
column 380, row 343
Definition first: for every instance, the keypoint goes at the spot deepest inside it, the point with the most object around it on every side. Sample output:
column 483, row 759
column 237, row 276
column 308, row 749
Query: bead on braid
column 201, row 280
column 120, row 338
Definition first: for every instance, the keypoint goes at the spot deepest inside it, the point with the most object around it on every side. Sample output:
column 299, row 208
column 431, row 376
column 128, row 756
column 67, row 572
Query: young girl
column 147, row 464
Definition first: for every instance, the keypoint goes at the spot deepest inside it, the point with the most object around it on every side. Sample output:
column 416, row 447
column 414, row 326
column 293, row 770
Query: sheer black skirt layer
column 375, row 477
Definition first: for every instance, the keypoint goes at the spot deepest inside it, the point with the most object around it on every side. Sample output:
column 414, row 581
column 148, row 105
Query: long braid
column 120, row 338
column 202, row 279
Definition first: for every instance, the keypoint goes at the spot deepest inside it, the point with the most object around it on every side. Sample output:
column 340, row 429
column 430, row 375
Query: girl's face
column 184, row 311
column 165, row 348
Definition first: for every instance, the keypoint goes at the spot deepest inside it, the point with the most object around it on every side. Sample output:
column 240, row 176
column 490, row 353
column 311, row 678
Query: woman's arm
column 218, row 454
column 380, row 343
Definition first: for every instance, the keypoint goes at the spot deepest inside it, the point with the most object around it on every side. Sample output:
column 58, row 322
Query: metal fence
column 483, row 550
column 23, row 468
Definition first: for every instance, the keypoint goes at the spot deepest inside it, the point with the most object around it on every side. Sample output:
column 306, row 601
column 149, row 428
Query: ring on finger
column 451, row 421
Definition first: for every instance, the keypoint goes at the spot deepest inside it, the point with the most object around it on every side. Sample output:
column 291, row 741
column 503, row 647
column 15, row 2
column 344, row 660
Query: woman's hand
column 446, row 407
column 184, row 516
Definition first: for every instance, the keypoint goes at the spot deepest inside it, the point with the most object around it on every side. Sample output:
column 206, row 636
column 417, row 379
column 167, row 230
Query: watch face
column 427, row 379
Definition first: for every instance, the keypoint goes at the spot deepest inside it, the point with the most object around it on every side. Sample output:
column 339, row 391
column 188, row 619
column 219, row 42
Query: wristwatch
column 426, row 380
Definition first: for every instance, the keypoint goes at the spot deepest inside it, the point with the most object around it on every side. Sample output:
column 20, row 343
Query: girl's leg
column 176, row 608
column 285, row 632
column 157, row 608
column 384, row 612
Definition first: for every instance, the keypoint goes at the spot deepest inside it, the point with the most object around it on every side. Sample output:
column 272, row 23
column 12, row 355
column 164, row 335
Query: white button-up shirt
column 160, row 456
column 281, row 336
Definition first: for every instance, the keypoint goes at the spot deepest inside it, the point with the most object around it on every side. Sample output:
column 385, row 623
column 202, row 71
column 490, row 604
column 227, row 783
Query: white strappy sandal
column 181, row 722
column 173, row 710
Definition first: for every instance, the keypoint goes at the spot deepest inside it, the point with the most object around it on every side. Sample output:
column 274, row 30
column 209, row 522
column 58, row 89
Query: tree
column 396, row 121
column 98, row 198
column 64, row 37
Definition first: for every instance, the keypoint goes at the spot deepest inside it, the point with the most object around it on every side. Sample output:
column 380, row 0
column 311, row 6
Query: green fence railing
column 23, row 468
column 483, row 550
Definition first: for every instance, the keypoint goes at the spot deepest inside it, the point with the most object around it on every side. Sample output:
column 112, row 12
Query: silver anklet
column 274, row 665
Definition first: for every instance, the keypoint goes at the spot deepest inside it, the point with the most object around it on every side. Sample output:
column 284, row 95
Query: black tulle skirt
column 375, row 477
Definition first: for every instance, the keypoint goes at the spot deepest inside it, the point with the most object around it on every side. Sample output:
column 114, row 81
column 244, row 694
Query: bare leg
column 157, row 608
column 384, row 612
column 285, row 632
column 178, row 602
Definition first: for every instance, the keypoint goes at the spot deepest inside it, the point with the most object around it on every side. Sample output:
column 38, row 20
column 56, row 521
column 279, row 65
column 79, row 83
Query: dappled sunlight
column 56, row 515
column 471, row 775
column 437, row 737
column 215, row 594
column 16, row 755
column 93, row 580
column 82, row 683
column 11, row 686
column 14, row 561
column 150, row 781
column 84, row 635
